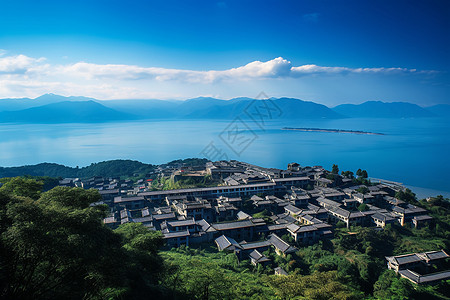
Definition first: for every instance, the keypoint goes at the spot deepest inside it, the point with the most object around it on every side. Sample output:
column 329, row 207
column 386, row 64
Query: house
column 183, row 225
column 348, row 217
column 308, row 219
column 158, row 219
column 261, row 246
column 225, row 243
column 292, row 181
column 243, row 216
column 310, row 234
column 324, row 182
column 133, row 202
column 176, row 239
column 285, row 218
column 327, row 203
column 280, row 271
column 244, row 229
column 292, row 210
column 408, row 213
column 235, row 201
column 277, row 203
column 199, row 209
column 416, row 266
column 331, row 193
column 364, row 198
column 257, row 258
column 278, row 229
column 299, row 197
column 419, row 221
column 111, row 222
column 351, row 203
column 281, row 247
column 412, row 260
column 382, row 219
column 261, row 203
column 225, row 212
column 294, row 167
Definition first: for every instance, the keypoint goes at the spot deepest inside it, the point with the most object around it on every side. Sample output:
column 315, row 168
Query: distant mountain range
column 66, row 112
column 50, row 108
column 378, row 109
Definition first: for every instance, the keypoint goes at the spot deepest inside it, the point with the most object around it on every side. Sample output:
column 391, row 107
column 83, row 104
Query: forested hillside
column 53, row 245
column 111, row 168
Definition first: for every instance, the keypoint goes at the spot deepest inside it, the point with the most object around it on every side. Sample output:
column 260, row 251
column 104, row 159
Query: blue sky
column 329, row 52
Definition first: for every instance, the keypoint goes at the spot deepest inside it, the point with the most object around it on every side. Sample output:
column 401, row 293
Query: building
column 416, row 266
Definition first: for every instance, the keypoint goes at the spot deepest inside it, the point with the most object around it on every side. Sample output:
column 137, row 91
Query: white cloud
column 18, row 64
column 314, row 69
column 275, row 68
column 21, row 75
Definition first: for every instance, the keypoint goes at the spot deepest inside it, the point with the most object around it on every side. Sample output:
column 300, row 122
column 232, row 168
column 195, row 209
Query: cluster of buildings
column 420, row 268
column 305, row 203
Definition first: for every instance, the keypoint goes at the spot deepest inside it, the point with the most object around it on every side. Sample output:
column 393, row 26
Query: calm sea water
column 415, row 152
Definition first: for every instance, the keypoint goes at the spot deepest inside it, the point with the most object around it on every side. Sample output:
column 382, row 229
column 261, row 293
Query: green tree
column 389, row 286
column 52, row 250
column 348, row 174
column 23, row 187
column 359, row 172
column 142, row 263
column 319, row 285
column 363, row 207
column 407, row 195
column 54, row 245
column 364, row 174
column 335, row 169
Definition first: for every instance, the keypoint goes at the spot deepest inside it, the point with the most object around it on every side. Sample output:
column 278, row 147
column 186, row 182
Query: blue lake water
column 415, row 152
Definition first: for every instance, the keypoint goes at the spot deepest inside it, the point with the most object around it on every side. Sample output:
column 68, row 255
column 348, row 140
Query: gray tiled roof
column 233, row 225
column 293, row 209
column 181, row 223
column 242, row 215
column 281, row 245
column 435, row 255
column 224, row 242
column 176, row 234
column 255, row 245
column 408, row 258
column 164, row 216
column 276, row 227
column 423, row 218
column 258, row 257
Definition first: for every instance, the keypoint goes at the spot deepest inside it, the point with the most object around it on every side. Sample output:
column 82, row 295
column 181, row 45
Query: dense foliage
column 111, row 168
column 190, row 162
column 53, row 245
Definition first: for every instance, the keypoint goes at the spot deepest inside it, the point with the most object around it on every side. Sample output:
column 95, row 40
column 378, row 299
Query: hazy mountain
column 148, row 109
column 212, row 108
column 11, row 104
column 50, row 108
column 379, row 109
column 442, row 110
column 66, row 112
column 287, row 108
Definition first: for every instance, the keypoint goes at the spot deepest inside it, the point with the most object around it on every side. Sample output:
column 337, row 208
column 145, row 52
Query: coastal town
column 247, row 209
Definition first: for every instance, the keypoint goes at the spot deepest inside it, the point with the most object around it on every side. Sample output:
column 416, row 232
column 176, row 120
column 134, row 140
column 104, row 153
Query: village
column 251, row 209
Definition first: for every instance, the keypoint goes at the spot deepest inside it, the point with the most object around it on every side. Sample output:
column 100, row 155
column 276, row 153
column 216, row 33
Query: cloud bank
column 275, row 68
column 21, row 75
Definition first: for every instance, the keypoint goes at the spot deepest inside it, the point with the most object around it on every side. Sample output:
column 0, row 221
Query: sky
column 330, row 52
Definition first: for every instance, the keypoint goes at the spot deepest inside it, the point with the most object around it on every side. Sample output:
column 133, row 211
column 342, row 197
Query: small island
column 332, row 130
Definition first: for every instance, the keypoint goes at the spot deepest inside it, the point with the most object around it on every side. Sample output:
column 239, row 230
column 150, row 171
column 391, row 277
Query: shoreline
column 331, row 130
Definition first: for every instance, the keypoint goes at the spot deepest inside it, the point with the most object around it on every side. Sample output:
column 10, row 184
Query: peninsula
column 332, row 130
